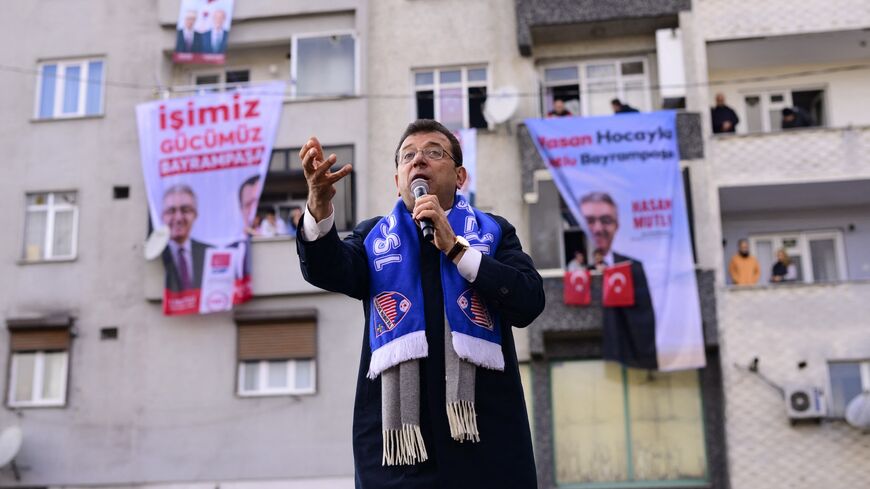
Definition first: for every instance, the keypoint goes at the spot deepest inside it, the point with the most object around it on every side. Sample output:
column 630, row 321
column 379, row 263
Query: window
column 38, row 367
column 848, row 379
column 453, row 96
column 221, row 80
column 70, row 89
column 51, row 226
column 817, row 256
column 324, row 66
column 626, row 426
column 763, row 110
column 588, row 87
column 286, row 189
column 276, row 358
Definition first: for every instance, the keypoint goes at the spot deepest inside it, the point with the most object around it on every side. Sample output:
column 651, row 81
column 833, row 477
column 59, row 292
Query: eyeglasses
column 432, row 153
column 185, row 209
column 604, row 220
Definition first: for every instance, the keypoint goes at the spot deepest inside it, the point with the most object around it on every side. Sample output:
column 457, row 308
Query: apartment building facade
column 118, row 395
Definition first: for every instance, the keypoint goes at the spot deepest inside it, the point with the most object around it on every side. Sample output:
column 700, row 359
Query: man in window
column 439, row 401
column 724, row 118
column 621, row 108
column 559, row 109
column 629, row 332
column 744, row 269
column 184, row 257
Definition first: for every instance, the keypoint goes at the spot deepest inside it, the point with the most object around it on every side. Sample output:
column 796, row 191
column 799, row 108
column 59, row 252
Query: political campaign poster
column 202, row 31
column 205, row 159
column 468, row 142
column 620, row 177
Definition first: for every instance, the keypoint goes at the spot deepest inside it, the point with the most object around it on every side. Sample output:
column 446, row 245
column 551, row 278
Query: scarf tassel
column 463, row 421
column 404, row 446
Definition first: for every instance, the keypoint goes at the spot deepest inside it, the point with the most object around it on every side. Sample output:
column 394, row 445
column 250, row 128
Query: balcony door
column 818, row 256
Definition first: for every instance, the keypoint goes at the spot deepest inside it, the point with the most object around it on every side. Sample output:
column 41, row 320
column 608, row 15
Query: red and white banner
column 617, row 286
column 577, row 288
column 205, row 159
column 202, row 32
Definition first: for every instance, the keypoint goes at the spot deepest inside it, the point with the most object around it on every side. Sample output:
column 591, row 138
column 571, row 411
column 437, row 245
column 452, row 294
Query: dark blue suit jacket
column 207, row 46
column 629, row 333
column 509, row 283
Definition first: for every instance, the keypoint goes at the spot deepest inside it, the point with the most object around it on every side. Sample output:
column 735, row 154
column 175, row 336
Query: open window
column 763, row 110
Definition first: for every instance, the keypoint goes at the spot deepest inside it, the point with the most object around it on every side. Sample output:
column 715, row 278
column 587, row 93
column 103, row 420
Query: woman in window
column 783, row 270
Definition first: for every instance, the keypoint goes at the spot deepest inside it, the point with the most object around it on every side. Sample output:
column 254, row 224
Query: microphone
column 420, row 188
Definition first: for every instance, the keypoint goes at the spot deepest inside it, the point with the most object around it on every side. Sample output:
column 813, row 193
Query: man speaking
column 438, row 401
column 629, row 332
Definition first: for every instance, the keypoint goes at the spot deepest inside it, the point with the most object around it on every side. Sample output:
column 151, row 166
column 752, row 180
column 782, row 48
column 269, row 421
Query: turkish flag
column 577, row 288
column 618, row 286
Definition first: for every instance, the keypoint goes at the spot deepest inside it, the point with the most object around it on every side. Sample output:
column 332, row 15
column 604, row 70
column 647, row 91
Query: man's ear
column 398, row 191
column 461, row 177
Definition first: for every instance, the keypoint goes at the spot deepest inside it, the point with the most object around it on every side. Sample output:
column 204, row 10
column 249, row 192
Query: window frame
column 60, row 84
column 863, row 368
column 38, row 380
column 294, row 68
column 764, row 95
column 583, row 81
column 263, row 390
column 51, row 209
column 628, row 484
column 803, row 246
column 221, row 85
column 464, row 84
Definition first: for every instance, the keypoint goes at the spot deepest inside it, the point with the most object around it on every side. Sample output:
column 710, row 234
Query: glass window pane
column 62, row 242
column 477, row 75
column 568, row 73
column 37, row 199
column 277, row 378
column 753, row 113
column 207, row 79
column 765, row 256
column 93, row 100
column 589, row 422
column 453, row 76
column 450, row 102
column 667, row 429
column 775, row 116
column 46, row 94
column 824, row 260
column 845, row 385
column 476, row 101
column 238, row 76
column 342, row 202
column 65, row 198
column 632, row 68
column 54, row 378
column 304, row 374
column 250, row 376
column 601, row 70
column 635, row 94
column 425, row 104
column 25, row 364
column 325, row 66
column 600, row 95
column 279, row 161
column 426, row 78
column 34, row 235
column 71, row 83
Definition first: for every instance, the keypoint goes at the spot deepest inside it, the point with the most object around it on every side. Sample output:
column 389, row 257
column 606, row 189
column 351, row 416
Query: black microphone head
column 419, row 187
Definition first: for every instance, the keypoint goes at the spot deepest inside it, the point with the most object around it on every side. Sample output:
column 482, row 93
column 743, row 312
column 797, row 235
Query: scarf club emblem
column 391, row 307
column 474, row 309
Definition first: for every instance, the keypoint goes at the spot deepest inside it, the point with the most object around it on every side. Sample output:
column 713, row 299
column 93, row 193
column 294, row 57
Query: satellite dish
column 501, row 104
column 156, row 243
column 858, row 411
column 10, row 443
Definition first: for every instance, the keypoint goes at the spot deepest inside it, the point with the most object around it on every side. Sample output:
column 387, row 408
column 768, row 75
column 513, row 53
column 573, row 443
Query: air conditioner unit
column 804, row 402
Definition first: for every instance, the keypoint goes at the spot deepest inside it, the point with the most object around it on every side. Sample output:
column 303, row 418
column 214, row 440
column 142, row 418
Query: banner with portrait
column 202, row 31
column 468, row 142
column 205, row 159
column 620, row 177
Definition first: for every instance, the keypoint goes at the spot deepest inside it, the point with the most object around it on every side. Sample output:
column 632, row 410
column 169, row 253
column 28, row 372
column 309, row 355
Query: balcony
column 275, row 271
column 553, row 21
column 794, row 156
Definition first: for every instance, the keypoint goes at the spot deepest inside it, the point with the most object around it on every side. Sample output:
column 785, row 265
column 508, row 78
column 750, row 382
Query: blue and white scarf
column 397, row 331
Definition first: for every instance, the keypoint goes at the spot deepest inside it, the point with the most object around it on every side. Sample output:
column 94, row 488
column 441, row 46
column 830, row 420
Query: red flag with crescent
column 618, row 286
column 577, row 289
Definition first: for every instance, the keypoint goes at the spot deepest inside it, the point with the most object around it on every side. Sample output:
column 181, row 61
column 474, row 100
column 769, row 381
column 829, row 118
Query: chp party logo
column 474, row 309
column 220, row 262
column 391, row 308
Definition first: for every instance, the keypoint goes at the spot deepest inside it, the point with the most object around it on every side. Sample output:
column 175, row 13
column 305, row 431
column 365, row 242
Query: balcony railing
column 794, row 156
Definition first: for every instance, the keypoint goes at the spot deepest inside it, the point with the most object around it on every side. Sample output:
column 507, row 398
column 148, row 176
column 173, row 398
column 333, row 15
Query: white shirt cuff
column 313, row 230
column 469, row 264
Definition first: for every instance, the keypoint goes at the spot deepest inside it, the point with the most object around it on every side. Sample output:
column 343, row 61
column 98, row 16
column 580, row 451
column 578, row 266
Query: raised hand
column 321, row 180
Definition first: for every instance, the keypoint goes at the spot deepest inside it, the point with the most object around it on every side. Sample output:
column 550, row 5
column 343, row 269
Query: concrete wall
column 783, row 325
column 158, row 405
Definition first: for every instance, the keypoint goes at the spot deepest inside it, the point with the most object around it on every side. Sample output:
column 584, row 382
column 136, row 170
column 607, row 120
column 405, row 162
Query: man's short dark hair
column 430, row 125
column 616, row 101
column 787, row 112
column 247, row 183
